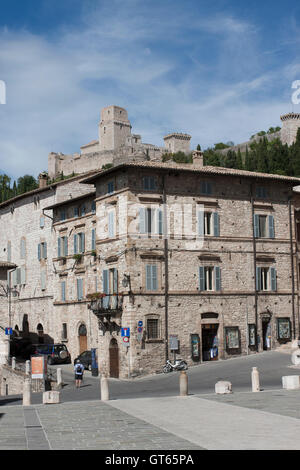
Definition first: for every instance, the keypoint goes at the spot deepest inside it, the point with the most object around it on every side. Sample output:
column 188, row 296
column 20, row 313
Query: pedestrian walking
column 78, row 369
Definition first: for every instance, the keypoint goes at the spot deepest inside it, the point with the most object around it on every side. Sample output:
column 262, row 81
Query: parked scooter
column 180, row 364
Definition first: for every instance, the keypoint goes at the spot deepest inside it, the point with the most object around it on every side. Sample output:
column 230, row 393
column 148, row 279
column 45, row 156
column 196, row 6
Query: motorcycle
column 180, row 364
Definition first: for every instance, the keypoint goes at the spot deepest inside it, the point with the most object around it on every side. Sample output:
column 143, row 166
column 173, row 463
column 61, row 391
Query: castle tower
column 290, row 126
column 176, row 142
column 114, row 128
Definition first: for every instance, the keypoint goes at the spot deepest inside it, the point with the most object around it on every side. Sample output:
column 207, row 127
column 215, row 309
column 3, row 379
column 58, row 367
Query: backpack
column 78, row 369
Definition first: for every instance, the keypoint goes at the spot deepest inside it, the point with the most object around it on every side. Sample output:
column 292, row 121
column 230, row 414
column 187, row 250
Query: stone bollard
column 51, row 397
column 27, row 392
column 27, row 368
column 222, row 387
column 104, row 388
column 291, row 382
column 183, row 384
column 13, row 363
column 59, row 378
column 296, row 357
column 255, row 380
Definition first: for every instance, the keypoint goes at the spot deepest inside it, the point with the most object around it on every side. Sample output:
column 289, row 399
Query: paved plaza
column 239, row 421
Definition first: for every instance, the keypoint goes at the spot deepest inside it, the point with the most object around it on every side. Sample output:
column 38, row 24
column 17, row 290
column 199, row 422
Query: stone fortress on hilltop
column 116, row 144
column 287, row 134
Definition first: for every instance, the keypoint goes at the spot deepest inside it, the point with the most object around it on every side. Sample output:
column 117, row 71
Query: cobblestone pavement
column 90, row 425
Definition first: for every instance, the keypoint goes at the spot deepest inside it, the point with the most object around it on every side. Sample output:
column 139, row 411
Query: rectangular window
column 149, row 183
column 266, row 279
column 63, row 291
column 151, row 221
column 62, row 246
column 151, row 277
column 42, row 222
column 42, row 250
column 110, row 187
column 152, row 328
column 62, row 215
column 209, row 278
column 64, row 335
column 205, row 187
column 208, row 224
column 76, row 211
column 261, row 192
column 79, row 289
column 82, row 211
column 264, row 226
column 93, row 207
column 79, row 243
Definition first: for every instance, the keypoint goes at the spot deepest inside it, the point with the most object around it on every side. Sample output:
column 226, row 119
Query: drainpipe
column 254, row 264
column 166, row 253
column 292, row 268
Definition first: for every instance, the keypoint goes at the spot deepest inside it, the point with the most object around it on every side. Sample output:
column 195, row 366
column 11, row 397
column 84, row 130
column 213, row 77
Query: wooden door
column 114, row 359
column 82, row 344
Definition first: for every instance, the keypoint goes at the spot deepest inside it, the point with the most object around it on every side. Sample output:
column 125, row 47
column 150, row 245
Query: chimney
column 197, row 158
column 43, row 177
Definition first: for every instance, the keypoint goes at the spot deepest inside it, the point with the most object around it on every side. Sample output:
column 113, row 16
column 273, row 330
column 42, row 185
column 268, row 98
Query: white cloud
column 56, row 87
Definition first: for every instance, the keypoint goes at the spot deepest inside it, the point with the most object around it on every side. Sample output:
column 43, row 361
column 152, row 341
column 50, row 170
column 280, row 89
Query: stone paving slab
column 216, row 425
column 83, row 426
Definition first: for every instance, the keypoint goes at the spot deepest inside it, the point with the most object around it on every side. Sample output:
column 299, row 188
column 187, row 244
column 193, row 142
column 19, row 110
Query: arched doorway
column 82, row 336
column 114, row 359
column 40, row 333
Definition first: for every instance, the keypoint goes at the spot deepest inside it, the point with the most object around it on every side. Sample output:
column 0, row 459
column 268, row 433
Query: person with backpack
column 78, row 368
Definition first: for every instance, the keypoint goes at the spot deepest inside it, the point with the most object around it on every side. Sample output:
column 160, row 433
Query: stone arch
column 82, row 337
column 40, row 333
column 114, row 358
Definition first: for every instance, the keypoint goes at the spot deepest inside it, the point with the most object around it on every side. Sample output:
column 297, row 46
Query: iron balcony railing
column 108, row 304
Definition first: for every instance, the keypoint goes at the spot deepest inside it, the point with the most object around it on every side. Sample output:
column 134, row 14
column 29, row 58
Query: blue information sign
column 8, row 331
column 125, row 332
column 140, row 323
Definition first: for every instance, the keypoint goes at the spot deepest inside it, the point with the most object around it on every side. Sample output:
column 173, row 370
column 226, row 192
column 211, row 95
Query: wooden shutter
column 105, row 281
column 256, row 225
column 75, row 243
column 154, row 277
column 273, row 279
column 142, row 220
column 93, row 239
column 39, row 252
column 159, row 216
column 115, row 281
column 201, row 223
column 217, row 272
column 43, row 280
column 111, row 228
column 258, row 279
column 271, row 226
column 22, row 275
column 59, row 247
column 79, row 289
column 65, row 246
column 148, row 277
column 63, row 291
column 201, row 278
column 44, row 245
column 216, row 224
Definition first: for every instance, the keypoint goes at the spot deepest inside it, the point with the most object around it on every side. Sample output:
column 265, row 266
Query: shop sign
column 174, row 344
column 38, row 367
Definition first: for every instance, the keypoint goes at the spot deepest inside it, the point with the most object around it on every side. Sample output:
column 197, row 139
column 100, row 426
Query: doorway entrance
column 82, row 335
column 266, row 333
column 210, row 350
column 114, row 359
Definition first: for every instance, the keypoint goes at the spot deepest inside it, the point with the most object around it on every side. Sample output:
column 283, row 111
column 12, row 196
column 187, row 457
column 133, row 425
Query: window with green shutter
column 151, row 277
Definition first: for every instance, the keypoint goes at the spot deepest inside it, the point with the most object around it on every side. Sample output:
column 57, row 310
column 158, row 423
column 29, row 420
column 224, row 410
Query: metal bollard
column 255, row 380
column 183, row 383
column 104, row 388
column 59, row 378
column 27, row 368
column 13, row 362
column 27, row 392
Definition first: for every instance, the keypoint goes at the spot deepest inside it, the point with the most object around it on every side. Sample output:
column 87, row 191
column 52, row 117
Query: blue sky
column 219, row 70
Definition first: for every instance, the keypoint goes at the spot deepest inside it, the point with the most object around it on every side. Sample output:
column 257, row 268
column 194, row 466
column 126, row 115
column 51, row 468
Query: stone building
column 186, row 256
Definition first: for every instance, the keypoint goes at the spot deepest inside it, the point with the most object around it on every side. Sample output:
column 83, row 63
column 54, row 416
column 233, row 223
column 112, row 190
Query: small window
column 149, row 183
column 151, row 277
column 79, row 289
column 110, row 187
column 206, row 187
column 42, row 222
column 82, row 211
column 93, row 207
column 64, row 332
column 261, row 192
column 42, row 251
column 153, row 328
column 63, row 291
column 209, row 278
column 79, row 243
column 266, row 279
column 62, row 215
